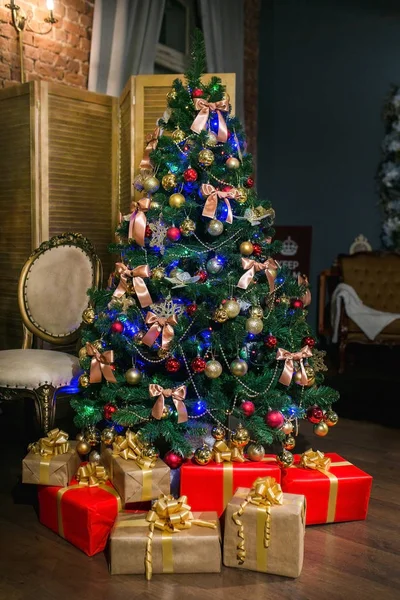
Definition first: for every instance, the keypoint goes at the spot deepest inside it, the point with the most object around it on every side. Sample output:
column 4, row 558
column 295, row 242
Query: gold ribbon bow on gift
column 130, row 447
column 252, row 267
column 212, row 195
column 138, row 220
column 201, row 119
column 223, row 452
column 152, row 141
column 178, row 396
column 139, row 285
column 100, row 365
column 159, row 325
column 169, row 515
column 265, row 493
column 91, row 474
column 288, row 369
column 315, row 460
column 303, row 280
column 55, row 443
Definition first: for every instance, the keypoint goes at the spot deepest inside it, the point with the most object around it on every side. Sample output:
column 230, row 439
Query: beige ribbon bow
column 252, row 267
column 288, row 368
column 201, row 119
column 56, row 442
column 92, row 474
column 178, row 396
column 152, row 141
column 163, row 325
column 315, row 460
column 100, row 365
column 138, row 220
column 130, row 447
column 210, row 207
column 139, row 285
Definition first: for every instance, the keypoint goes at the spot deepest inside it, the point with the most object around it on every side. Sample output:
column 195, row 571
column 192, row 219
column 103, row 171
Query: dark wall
column 325, row 69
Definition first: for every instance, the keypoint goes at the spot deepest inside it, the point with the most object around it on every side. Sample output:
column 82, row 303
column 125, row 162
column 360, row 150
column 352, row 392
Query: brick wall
column 61, row 56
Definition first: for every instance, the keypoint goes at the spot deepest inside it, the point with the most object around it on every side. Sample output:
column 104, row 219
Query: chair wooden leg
column 45, row 404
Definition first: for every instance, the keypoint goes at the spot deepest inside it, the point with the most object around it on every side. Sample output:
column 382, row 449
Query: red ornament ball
column 297, row 303
column 270, row 341
column 315, row 414
column 248, row 408
column 249, row 182
column 203, row 276
column 197, row 93
column 117, row 327
column 173, row 460
column 190, row 175
column 173, row 234
column 309, row 341
column 172, row 365
column 257, row 250
column 274, row 419
column 227, row 188
column 148, row 232
column 198, row 364
column 191, row 309
column 109, row 411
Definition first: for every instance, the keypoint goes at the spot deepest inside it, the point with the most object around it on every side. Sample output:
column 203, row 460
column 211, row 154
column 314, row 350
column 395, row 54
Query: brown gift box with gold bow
column 52, row 460
column 265, row 536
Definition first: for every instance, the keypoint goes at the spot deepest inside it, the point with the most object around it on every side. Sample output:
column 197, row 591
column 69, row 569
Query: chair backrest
column 375, row 276
column 52, row 290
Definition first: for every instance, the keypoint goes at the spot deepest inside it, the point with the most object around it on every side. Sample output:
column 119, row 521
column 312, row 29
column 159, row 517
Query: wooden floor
column 349, row 561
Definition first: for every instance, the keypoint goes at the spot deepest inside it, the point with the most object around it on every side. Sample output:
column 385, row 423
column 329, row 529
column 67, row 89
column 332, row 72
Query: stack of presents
column 125, row 500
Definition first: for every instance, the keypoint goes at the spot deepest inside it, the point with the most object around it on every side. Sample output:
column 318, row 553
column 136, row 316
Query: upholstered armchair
column 52, row 295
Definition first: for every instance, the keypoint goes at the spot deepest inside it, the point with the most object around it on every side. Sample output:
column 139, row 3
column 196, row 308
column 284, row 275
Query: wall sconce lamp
column 23, row 21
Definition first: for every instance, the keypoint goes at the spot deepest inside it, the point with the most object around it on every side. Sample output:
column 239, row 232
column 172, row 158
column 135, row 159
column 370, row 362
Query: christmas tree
column 199, row 322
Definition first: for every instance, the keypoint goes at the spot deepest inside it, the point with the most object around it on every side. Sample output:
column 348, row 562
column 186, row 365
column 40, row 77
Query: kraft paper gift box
column 196, row 549
column 245, row 535
column 52, row 460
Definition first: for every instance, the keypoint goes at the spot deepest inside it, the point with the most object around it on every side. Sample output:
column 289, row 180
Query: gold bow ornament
column 138, row 220
column 131, row 447
column 178, row 396
column 169, row 515
column 315, row 460
column 100, row 365
column 159, row 325
column 139, row 285
column 203, row 107
column 306, row 297
column 210, row 207
column 91, row 474
column 264, row 494
column 288, row 369
column 252, row 267
column 226, row 452
column 55, row 443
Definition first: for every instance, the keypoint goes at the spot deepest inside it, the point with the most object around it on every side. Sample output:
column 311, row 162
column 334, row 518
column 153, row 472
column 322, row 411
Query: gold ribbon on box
column 204, row 108
column 54, row 444
column 288, row 369
column 178, row 396
column 130, row 447
column 264, row 493
column 225, row 452
column 252, row 267
column 159, row 325
column 138, row 220
column 92, row 474
column 139, row 285
column 169, row 515
column 212, row 195
column 100, row 365
column 152, row 142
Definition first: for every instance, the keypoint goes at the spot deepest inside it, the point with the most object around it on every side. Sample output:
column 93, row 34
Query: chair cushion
column 30, row 369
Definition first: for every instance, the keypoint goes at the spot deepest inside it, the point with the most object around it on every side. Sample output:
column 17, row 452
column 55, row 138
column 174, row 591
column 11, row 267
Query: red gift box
column 82, row 515
column 210, row 487
column 338, row 494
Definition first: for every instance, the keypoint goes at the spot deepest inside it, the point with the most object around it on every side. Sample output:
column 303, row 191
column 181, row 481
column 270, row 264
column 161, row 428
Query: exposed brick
column 73, row 40
column 4, row 71
column 29, row 38
column 85, row 69
column 31, row 52
column 9, row 83
column 74, row 66
column 62, row 61
column 75, row 79
column 86, row 20
column 61, row 35
column 50, row 45
column 45, row 71
column 48, row 57
column 4, row 44
column 80, row 55
column 72, row 14
column 85, row 44
column 74, row 28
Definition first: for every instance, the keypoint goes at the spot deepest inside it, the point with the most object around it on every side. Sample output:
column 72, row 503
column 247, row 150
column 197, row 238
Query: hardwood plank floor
column 345, row 561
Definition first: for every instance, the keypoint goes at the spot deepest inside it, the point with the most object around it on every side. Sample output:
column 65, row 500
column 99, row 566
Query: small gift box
column 210, row 487
column 264, row 529
column 52, row 460
column 83, row 512
column 168, row 539
column 335, row 489
column 137, row 477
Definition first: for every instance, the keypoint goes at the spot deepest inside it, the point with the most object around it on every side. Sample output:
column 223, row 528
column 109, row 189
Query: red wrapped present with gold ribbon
column 335, row 489
column 210, row 487
column 83, row 512
column 52, row 460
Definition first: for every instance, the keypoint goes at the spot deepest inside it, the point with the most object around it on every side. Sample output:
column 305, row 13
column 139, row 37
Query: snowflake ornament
column 182, row 279
column 159, row 230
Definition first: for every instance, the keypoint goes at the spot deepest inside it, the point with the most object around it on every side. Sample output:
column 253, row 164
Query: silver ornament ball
column 214, row 266
column 94, row 456
column 215, row 227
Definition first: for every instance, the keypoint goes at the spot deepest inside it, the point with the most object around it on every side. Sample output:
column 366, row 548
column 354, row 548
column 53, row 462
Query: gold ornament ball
column 98, row 344
column 88, row 315
column 256, row 312
column 331, row 418
column 176, row 200
column 151, row 184
column 213, row 369
column 108, row 436
column 232, row 163
column 169, row 181
column 220, row 315
column 188, row 227
column 285, row 300
column 171, row 94
column 158, row 273
column 83, row 353
column 206, row 158
column 254, row 325
column 215, row 227
column 154, row 204
column 321, row 429
column 167, row 411
column 203, row 455
column 162, row 352
column 310, row 376
column 150, row 451
column 241, row 197
column 218, row 433
column 232, row 308
column 178, row 135
column 79, row 436
column 82, row 447
column 285, row 459
column 137, row 338
column 255, row 452
column 92, row 436
column 289, row 443
column 246, row 248
column 240, row 437
column 239, row 367
column 133, row 376
column 287, row 427
column 84, row 380
column 94, row 456
column 211, row 139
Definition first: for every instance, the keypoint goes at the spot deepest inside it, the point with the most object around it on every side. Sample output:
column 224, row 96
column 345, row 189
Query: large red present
column 211, row 487
column 334, row 488
column 81, row 513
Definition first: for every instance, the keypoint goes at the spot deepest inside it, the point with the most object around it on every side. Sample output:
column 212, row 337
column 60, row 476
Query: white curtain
column 223, row 30
column 124, row 40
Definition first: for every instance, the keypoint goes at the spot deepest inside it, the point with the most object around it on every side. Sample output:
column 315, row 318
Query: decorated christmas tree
column 199, row 322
